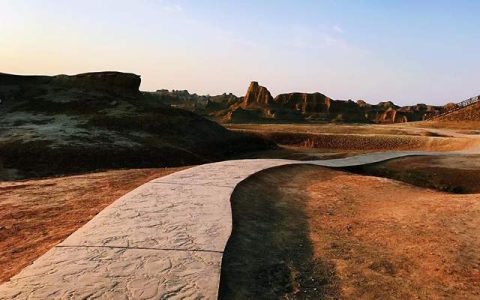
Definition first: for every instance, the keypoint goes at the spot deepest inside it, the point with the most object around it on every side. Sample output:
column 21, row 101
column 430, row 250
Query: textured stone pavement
column 164, row 239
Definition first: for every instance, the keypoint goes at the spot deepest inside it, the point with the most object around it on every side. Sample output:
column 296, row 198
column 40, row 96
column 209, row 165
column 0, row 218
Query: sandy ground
column 37, row 214
column 306, row 232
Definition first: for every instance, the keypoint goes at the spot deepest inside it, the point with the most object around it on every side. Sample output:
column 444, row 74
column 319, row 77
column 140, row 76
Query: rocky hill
column 52, row 125
column 259, row 106
column 256, row 96
column 106, row 81
column 470, row 113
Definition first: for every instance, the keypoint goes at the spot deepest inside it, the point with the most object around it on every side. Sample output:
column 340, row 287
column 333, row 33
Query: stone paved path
column 164, row 239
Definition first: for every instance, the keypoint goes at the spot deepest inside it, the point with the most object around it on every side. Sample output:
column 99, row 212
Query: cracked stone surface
column 164, row 239
column 162, row 216
column 113, row 273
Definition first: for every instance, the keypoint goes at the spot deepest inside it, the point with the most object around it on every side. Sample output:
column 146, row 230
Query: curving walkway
column 164, row 239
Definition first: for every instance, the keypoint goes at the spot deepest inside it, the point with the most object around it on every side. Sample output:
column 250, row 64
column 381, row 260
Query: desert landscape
column 255, row 150
column 366, row 230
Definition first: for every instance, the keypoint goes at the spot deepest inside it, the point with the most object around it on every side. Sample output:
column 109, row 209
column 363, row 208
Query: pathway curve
column 164, row 239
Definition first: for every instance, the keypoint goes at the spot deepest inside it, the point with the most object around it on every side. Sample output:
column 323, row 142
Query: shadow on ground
column 269, row 255
column 458, row 174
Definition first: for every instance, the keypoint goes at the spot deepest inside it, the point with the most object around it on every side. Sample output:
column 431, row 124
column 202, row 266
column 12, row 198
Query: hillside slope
column 469, row 113
column 67, row 124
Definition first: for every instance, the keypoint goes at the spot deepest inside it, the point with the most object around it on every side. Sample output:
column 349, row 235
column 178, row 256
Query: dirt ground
column 396, row 129
column 303, row 232
column 468, row 127
column 306, row 232
column 450, row 173
column 358, row 137
column 35, row 215
column 299, row 153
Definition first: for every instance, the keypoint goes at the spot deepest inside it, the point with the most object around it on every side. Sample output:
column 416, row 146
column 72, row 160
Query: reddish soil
column 35, row 215
column 306, row 232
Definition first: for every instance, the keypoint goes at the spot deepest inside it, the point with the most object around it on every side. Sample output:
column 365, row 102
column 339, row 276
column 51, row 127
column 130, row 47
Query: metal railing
column 454, row 108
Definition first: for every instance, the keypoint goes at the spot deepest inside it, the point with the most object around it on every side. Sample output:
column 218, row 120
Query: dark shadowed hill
column 52, row 125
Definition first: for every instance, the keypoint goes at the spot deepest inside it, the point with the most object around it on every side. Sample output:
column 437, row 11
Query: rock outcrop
column 67, row 124
column 105, row 81
column 469, row 113
column 304, row 103
column 259, row 106
column 257, row 95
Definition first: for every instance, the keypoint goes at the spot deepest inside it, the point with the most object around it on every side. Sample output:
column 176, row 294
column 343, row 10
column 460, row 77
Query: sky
column 403, row 51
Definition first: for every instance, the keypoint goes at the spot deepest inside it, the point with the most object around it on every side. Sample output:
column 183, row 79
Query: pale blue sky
column 404, row 51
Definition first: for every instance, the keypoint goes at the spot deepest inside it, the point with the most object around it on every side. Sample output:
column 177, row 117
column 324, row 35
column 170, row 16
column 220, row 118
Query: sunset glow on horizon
column 403, row 51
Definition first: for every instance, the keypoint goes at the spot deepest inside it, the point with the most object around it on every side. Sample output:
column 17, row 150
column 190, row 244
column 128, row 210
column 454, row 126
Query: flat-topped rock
column 108, row 81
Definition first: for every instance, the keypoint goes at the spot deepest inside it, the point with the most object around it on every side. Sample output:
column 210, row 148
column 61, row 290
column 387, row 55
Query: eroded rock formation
column 257, row 95
column 304, row 103
column 259, row 106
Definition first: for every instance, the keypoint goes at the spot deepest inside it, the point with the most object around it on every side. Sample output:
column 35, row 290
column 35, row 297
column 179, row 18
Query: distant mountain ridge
column 258, row 105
